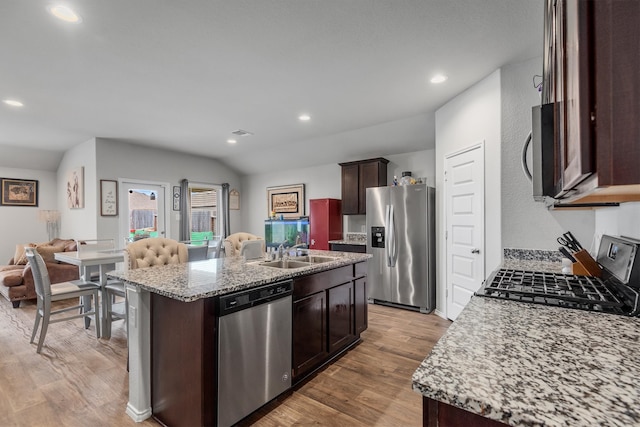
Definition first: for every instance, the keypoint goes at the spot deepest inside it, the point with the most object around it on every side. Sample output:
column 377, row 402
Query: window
column 204, row 213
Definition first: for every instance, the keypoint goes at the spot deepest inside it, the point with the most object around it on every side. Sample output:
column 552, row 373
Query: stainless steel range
column 617, row 292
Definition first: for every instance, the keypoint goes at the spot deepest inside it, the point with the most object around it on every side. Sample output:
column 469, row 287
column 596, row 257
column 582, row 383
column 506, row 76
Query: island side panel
column 184, row 361
column 438, row 414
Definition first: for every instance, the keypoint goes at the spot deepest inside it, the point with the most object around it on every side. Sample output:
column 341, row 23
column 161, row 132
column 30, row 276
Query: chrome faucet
column 281, row 251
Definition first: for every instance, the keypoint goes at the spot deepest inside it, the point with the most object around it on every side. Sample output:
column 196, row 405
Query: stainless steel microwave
column 542, row 166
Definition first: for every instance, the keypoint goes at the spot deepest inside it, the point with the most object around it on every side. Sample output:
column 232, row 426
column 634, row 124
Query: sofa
column 16, row 280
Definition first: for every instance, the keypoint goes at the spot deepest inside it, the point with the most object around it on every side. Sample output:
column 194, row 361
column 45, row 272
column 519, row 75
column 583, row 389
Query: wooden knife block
column 585, row 265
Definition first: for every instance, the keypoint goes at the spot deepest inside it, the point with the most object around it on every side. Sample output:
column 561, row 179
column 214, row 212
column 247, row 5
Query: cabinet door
column 361, row 308
column 350, row 189
column 341, row 317
column 576, row 136
column 309, row 333
column 369, row 177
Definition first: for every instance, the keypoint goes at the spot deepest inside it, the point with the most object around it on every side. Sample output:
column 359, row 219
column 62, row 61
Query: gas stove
column 617, row 292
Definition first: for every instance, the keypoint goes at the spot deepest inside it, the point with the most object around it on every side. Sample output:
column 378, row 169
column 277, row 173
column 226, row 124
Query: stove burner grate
column 583, row 292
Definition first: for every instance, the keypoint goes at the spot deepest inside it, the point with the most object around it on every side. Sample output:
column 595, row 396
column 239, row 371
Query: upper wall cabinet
column 591, row 69
column 356, row 178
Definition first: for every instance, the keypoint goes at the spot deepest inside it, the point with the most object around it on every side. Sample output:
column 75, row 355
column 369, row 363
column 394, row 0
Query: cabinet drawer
column 313, row 283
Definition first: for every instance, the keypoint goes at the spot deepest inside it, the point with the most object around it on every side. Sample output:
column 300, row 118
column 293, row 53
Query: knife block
column 585, row 265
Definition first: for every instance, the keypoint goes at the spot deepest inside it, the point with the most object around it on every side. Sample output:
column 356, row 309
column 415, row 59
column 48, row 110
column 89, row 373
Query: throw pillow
column 47, row 252
column 20, row 257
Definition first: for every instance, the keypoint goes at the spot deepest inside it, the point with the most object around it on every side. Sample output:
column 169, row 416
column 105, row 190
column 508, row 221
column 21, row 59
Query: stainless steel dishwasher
column 254, row 349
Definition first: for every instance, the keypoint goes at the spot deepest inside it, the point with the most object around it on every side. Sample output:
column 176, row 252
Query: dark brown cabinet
column 343, row 247
column 360, row 300
column 329, row 313
column 309, row 332
column 341, row 316
column 591, row 73
column 356, row 178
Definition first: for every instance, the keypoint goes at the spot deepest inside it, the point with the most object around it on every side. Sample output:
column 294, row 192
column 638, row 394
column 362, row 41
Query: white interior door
column 143, row 209
column 464, row 204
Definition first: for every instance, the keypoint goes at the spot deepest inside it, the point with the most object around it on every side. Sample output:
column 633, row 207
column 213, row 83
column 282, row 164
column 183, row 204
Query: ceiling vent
column 241, row 132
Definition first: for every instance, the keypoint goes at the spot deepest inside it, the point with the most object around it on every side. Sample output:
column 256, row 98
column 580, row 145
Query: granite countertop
column 352, row 238
column 534, row 365
column 203, row 279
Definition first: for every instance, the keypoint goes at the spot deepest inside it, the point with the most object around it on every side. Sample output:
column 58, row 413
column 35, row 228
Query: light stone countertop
column 203, row 279
column 534, row 365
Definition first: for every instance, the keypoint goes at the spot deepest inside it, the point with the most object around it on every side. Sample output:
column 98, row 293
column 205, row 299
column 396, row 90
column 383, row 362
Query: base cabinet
column 340, row 300
column 438, row 414
column 309, row 332
column 326, row 317
column 361, row 312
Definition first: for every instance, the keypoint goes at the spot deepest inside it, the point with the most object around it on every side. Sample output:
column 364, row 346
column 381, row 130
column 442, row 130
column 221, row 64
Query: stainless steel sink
column 314, row 259
column 286, row 263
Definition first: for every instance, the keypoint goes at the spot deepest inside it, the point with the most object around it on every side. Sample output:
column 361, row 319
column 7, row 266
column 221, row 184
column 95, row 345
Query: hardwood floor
column 79, row 380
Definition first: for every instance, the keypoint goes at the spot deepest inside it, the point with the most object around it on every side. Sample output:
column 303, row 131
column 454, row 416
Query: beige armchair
column 153, row 252
column 233, row 243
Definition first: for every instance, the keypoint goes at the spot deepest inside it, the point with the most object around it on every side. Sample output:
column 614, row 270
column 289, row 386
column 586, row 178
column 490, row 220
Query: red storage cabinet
column 325, row 222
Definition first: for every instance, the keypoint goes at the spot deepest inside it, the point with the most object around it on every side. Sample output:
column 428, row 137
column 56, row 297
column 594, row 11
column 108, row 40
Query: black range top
column 618, row 291
column 580, row 292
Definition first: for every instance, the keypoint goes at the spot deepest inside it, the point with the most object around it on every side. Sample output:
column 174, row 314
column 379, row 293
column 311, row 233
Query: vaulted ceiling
column 184, row 75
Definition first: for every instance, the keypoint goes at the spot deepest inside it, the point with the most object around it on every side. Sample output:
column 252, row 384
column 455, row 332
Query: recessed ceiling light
column 231, row 141
column 304, row 117
column 64, row 13
column 13, row 102
column 438, row 78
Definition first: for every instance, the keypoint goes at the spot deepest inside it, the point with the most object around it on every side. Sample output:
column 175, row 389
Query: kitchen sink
column 314, row 259
column 285, row 263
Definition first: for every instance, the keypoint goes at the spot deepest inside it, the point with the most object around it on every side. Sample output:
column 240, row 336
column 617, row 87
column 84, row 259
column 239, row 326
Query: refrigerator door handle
column 393, row 239
column 387, row 244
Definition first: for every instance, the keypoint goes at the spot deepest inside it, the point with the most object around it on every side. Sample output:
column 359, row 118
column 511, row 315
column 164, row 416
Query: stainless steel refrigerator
column 401, row 238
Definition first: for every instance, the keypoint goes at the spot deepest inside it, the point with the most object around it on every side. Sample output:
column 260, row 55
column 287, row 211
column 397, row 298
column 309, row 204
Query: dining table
column 104, row 260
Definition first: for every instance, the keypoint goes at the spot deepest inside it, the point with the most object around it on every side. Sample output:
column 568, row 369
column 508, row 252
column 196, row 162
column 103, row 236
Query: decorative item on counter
column 272, row 215
column 407, row 179
column 395, row 181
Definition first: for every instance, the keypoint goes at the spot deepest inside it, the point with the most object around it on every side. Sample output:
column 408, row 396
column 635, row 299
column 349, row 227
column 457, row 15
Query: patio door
column 143, row 210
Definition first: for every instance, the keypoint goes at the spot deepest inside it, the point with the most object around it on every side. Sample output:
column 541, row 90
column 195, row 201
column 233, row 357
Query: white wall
column 421, row 164
column 322, row 182
column 526, row 223
column 118, row 159
column 19, row 224
column 469, row 118
column 79, row 223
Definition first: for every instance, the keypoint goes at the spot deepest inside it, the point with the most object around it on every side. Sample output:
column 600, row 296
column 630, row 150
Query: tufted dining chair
column 233, row 243
column 154, row 251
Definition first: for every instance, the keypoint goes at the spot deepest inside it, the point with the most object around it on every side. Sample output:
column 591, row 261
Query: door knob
column 475, row 251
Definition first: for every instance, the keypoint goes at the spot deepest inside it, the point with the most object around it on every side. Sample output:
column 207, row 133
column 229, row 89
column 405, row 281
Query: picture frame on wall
column 108, row 197
column 75, row 188
column 286, row 201
column 234, row 200
column 19, row 192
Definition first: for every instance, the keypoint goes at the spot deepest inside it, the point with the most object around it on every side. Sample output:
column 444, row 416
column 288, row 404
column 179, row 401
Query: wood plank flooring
column 79, row 380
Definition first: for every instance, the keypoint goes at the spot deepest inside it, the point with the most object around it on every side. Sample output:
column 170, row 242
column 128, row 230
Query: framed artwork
column 19, row 192
column 286, row 201
column 108, row 197
column 234, row 199
column 75, row 188
column 176, row 197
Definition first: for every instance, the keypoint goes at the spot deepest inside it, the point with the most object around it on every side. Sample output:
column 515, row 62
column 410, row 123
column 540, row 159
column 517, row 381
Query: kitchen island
column 533, row 365
column 173, row 326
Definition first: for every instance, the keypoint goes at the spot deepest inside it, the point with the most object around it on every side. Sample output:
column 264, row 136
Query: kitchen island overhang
column 198, row 282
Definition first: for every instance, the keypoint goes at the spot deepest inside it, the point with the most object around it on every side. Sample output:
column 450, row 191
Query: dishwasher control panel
column 236, row 301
